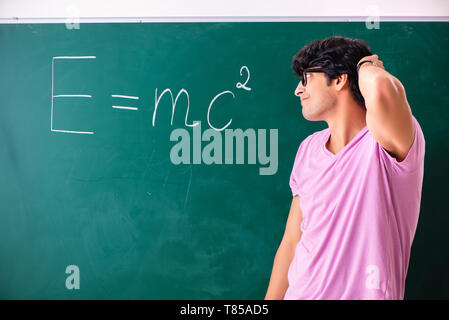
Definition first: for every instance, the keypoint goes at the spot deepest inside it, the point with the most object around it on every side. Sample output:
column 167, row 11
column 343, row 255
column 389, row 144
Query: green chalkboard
column 89, row 172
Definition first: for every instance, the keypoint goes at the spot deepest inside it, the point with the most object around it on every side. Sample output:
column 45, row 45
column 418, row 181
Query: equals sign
column 125, row 97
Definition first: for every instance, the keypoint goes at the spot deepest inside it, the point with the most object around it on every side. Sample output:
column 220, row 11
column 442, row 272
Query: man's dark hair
column 336, row 55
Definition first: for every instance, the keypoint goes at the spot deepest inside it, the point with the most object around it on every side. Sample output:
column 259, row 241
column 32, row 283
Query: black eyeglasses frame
column 304, row 74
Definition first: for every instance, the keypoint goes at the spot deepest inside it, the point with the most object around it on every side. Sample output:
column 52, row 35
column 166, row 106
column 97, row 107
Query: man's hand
column 374, row 58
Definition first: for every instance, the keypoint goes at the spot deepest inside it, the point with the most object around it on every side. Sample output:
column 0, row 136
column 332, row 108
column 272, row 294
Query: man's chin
column 310, row 117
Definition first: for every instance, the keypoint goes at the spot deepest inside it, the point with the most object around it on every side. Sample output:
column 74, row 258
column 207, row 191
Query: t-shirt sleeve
column 414, row 158
column 294, row 186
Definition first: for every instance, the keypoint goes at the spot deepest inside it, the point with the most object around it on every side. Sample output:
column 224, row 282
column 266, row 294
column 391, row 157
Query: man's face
column 317, row 98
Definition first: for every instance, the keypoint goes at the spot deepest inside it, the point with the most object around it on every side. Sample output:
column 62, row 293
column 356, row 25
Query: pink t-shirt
column 360, row 209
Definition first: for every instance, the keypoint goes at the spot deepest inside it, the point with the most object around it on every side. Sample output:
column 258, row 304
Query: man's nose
column 299, row 89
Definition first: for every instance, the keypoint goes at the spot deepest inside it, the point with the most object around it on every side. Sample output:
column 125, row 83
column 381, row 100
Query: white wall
column 61, row 9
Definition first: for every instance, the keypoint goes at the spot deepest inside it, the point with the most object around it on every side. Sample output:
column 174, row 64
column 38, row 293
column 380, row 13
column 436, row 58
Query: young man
column 356, row 185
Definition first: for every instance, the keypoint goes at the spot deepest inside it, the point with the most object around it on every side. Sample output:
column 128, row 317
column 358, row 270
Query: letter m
column 173, row 103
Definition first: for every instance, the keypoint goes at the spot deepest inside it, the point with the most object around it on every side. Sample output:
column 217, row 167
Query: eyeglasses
column 306, row 71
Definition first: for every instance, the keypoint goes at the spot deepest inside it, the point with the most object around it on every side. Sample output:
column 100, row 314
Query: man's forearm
column 279, row 276
column 372, row 79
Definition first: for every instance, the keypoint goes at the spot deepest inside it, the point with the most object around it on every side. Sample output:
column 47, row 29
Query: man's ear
column 340, row 79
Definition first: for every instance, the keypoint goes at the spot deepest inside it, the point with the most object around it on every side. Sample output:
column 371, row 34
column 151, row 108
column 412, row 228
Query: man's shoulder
column 314, row 138
column 310, row 145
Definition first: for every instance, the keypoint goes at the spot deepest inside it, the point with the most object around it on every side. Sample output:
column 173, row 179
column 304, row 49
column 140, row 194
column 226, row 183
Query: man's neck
column 344, row 127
